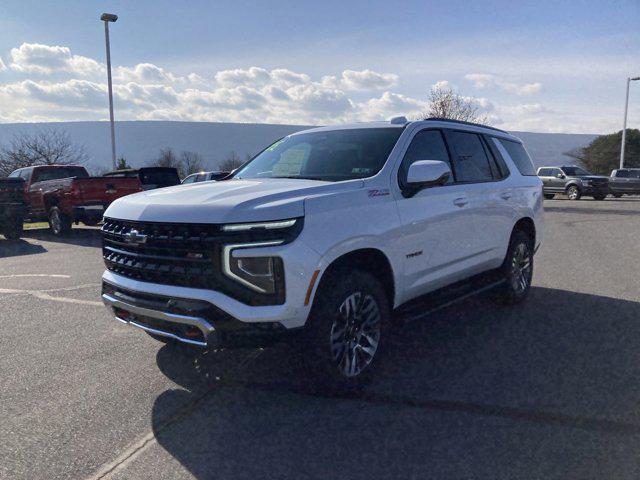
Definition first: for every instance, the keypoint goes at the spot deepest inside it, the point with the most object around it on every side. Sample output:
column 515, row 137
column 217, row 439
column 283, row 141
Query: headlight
column 244, row 227
column 586, row 182
column 257, row 273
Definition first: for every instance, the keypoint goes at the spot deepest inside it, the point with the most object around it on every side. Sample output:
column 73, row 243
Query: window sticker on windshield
column 290, row 162
column 361, row 170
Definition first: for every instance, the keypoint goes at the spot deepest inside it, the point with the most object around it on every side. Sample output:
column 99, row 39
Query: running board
column 425, row 305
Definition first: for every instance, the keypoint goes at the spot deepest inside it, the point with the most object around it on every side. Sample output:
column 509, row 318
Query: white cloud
column 389, row 105
column 361, row 80
column 2, row 65
column 484, row 80
column 48, row 59
column 441, row 85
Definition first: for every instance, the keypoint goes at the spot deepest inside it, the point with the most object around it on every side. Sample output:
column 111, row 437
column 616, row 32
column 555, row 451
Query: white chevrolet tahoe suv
column 326, row 236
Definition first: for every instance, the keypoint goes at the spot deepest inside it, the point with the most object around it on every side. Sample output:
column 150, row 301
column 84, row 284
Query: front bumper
column 193, row 322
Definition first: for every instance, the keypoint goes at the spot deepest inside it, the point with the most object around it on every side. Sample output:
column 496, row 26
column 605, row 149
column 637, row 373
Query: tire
column 517, row 270
column 59, row 223
column 347, row 330
column 573, row 192
column 599, row 197
column 549, row 196
column 617, row 195
column 14, row 230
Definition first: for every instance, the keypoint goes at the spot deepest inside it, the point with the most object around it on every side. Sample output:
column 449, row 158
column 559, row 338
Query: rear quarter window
column 519, row 156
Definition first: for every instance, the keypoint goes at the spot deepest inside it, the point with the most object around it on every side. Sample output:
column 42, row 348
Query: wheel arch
column 369, row 259
column 526, row 225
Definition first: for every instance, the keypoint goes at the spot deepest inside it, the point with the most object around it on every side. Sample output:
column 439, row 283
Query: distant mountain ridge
column 140, row 141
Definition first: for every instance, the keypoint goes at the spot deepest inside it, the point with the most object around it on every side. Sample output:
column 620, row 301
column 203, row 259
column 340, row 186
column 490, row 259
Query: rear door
column 546, row 175
column 634, row 181
column 491, row 197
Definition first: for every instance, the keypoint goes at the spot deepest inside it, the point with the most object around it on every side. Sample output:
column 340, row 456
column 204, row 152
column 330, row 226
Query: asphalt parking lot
column 546, row 389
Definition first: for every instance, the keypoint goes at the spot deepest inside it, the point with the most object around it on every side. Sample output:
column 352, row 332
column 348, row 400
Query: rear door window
column 470, row 161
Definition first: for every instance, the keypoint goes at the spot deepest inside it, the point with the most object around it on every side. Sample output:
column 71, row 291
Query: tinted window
column 623, row 174
column 60, row 172
column 15, row 174
column 519, row 156
column 325, row 155
column 545, row 172
column 575, row 171
column 469, row 158
column 160, row 178
column 190, row 179
column 426, row 145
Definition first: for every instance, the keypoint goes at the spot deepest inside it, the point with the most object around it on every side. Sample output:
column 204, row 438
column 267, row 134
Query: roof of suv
column 398, row 123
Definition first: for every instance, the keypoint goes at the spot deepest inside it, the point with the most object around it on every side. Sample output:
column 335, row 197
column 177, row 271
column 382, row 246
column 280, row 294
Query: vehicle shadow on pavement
column 15, row 248
column 82, row 237
column 591, row 211
column 479, row 391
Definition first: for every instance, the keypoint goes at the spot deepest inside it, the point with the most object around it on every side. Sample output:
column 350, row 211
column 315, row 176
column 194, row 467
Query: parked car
column 625, row 181
column 150, row 177
column 573, row 181
column 323, row 235
column 205, row 177
column 66, row 194
column 12, row 207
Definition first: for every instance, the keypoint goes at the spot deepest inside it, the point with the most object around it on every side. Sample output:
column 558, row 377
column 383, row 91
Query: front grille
column 186, row 255
column 172, row 254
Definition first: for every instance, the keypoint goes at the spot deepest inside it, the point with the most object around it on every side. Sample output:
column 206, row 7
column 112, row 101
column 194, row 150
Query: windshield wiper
column 300, row 177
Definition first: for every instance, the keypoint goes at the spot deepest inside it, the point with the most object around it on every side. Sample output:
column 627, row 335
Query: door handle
column 460, row 202
column 505, row 195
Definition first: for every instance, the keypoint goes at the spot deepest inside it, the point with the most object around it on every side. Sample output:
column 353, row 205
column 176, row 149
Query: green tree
column 603, row 154
column 122, row 164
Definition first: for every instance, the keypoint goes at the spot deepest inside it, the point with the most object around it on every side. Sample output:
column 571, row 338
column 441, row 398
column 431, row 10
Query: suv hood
column 229, row 201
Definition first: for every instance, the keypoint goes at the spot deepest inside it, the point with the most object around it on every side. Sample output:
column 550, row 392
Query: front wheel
column 59, row 223
column 517, row 270
column 573, row 193
column 617, row 195
column 549, row 196
column 347, row 328
column 599, row 197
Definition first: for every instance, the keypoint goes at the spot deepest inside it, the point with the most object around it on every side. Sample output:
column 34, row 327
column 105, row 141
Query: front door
column 437, row 223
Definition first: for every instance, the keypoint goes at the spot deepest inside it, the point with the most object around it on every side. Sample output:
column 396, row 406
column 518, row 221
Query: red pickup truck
column 66, row 194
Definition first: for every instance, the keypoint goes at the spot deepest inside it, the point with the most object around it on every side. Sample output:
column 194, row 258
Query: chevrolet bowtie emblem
column 135, row 237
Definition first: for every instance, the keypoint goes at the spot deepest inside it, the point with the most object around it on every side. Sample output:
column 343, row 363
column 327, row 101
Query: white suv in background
column 328, row 234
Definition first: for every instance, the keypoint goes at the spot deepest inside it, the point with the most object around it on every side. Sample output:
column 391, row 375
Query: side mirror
column 426, row 173
column 560, row 175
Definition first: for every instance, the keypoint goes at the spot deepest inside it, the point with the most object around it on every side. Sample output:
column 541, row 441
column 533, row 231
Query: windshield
column 575, row 171
column 328, row 155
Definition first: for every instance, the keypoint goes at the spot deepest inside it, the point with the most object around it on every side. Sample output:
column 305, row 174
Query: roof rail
column 466, row 123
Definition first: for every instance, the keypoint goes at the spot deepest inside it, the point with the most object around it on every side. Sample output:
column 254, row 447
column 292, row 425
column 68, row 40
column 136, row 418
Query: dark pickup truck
column 66, row 194
column 573, row 181
column 12, row 207
column 625, row 181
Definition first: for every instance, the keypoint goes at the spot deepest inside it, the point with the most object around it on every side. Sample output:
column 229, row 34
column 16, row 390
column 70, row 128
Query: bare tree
column 190, row 162
column 44, row 147
column 446, row 103
column 231, row 162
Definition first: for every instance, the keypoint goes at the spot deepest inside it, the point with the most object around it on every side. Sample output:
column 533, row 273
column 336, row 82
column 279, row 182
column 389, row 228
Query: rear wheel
column 347, row 328
column 617, row 195
column 599, row 197
column 517, row 270
column 59, row 223
column 573, row 193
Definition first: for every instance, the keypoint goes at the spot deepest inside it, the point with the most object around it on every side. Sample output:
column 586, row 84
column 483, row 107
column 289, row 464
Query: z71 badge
column 379, row 193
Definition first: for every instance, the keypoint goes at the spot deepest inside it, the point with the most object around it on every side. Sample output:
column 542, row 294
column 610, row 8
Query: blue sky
column 538, row 66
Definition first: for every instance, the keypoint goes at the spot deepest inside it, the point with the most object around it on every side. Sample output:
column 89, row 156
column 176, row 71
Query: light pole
column 106, row 18
column 624, row 127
